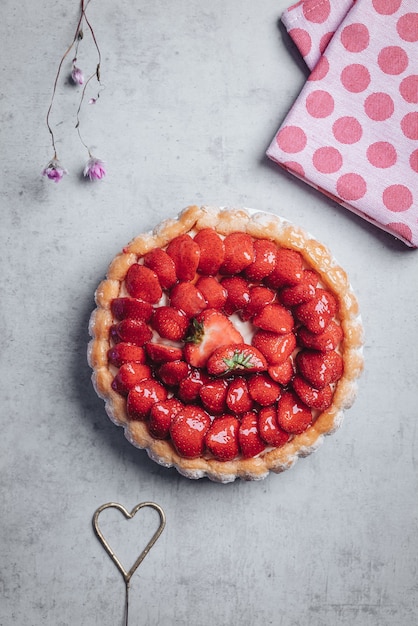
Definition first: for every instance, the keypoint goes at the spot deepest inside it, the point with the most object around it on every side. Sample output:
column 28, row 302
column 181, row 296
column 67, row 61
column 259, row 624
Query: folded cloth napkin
column 353, row 131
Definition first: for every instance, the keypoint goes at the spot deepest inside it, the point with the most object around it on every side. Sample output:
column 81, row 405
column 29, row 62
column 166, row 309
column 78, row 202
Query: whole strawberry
column 249, row 438
column 188, row 430
column 222, row 438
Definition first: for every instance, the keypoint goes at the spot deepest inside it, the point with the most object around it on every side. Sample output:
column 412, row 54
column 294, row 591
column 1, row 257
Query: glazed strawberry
column 131, row 307
column 319, row 368
column 327, row 340
column 238, row 358
column 213, row 292
column 276, row 348
column 314, row 398
column 126, row 353
column 269, row 429
column 209, row 330
column 129, row 375
column 263, row 389
column 161, row 415
column 131, row 331
column 185, row 253
column 142, row 397
column 188, row 299
column 288, row 269
column 302, row 292
column 213, row 396
column 264, row 260
column 239, row 253
column 212, row 251
column 238, row 293
column 282, row 373
column 222, row 438
column 238, row 399
column 293, row 415
column 189, row 387
column 318, row 312
column 163, row 265
column 172, row 372
column 249, row 438
column 161, row 353
column 188, row 430
column 170, row 323
column 274, row 318
column 142, row 282
column 259, row 297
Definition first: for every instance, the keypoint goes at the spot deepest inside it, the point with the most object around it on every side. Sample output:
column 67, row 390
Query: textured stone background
column 194, row 92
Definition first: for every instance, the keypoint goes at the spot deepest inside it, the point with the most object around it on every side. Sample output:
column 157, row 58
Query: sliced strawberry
column 213, row 396
column 276, row 348
column 142, row 282
column 302, row 292
column 161, row 353
column 263, row 389
column 222, row 438
column 274, row 318
column 163, row 265
column 269, row 429
column 189, row 388
column 288, row 269
column 282, row 373
column 327, row 340
column 238, row 358
column 314, row 398
column 238, row 293
column 239, row 253
column 170, row 323
column 249, row 438
column 264, row 260
column 131, row 307
column 259, row 297
column 142, row 397
column 172, row 372
column 209, row 330
column 212, row 251
column 213, row 292
column 126, row 353
column 319, row 369
column 238, row 399
column 318, row 312
column 188, row 430
column 188, row 299
column 129, row 375
column 161, row 415
column 293, row 415
column 185, row 253
column 131, row 331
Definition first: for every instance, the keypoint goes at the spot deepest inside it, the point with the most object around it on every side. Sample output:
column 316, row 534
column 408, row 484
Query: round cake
column 227, row 343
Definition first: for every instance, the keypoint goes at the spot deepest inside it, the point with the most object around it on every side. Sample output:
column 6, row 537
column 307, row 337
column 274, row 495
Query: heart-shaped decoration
column 127, row 575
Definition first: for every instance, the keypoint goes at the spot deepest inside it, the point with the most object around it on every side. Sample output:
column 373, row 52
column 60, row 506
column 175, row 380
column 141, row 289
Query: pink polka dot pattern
column 353, row 130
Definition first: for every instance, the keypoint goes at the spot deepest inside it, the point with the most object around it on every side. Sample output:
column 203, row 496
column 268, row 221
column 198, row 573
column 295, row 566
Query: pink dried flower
column 94, row 169
column 77, row 76
column 54, row 171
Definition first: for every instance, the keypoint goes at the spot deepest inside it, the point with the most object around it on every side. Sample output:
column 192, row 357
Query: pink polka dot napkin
column 353, row 131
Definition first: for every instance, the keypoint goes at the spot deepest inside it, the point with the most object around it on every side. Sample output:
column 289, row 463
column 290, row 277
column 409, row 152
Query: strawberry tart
column 227, row 343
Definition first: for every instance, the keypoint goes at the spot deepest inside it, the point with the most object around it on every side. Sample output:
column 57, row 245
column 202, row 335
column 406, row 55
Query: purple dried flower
column 54, row 171
column 94, row 169
column 77, row 76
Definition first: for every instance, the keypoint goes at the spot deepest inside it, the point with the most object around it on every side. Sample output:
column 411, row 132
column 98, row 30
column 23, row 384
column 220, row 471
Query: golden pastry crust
column 258, row 225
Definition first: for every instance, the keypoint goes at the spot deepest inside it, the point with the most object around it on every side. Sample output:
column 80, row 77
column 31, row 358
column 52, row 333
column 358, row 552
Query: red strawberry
column 170, row 323
column 213, row 292
column 209, row 330
column 287, row 270
column 213, row 395
column 188, row 430
column 239, row 253
column 327, row 340
column 222, row 438
column 263, row 389
column 282, row 373
column 275, row 318
column 264, row 260
column 269, row 429
column 314, row 398
column 129, row 375
column 238, row 399
column 161, row 415
column 131, row 307
column 249, row 438
column 163, row 265
column 189, row 388
column 185, row 253
column 188, row 299
column 212, row 251
column 126, row 353
column 276, row 348
column 319, row 369
column 259, row 298
column 172, row 372
column 142, row 397
column 293, row 415
column 317, row 313
column 238, row 293
column 161, row 353
column 131, row 331
column 239, row 358
column 302, row 292
column 143, row 283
